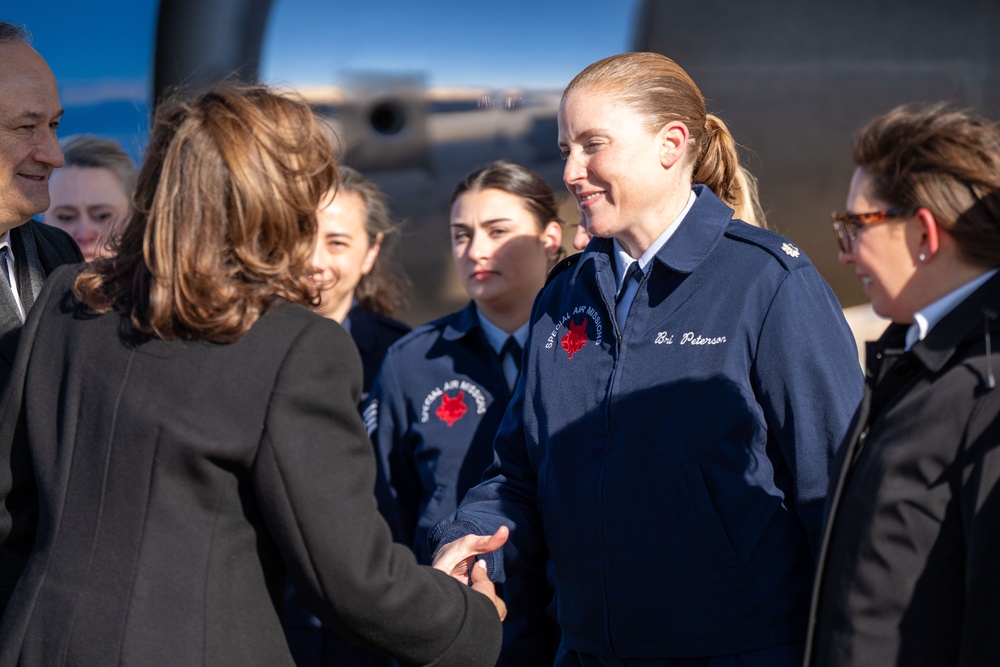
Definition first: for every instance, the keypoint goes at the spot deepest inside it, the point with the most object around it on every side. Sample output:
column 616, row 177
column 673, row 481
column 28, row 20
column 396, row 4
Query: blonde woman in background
column 91, row 193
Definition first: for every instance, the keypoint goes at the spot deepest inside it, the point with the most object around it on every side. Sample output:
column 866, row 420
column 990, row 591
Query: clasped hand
column 458, row 559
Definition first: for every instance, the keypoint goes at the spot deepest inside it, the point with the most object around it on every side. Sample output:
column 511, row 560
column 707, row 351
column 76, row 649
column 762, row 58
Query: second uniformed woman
column 443, row 388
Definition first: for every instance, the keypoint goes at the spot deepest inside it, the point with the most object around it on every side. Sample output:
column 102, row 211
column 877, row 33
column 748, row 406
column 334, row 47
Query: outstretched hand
column 481, row 582
column 456, row 558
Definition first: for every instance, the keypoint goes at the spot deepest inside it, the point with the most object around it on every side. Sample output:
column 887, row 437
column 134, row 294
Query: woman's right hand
column 456, row 558
column 481, row 582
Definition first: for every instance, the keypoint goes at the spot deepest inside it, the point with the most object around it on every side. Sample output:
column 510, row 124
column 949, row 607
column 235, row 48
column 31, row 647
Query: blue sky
column 516, row 43
column 102, row 48
column 101, row 51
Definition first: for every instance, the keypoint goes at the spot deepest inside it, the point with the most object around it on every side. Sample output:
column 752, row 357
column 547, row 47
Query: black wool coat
column 909, row 571
column 164, row 487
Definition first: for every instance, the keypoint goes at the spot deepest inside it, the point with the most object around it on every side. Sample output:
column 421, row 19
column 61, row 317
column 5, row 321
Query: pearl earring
column 922, row 257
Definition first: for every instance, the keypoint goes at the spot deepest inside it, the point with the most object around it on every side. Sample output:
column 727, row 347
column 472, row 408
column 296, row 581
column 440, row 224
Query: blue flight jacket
column 433, row 413
column 675, row 469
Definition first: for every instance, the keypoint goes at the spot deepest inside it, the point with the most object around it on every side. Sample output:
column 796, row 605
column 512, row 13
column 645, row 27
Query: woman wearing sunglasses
column 908, row 570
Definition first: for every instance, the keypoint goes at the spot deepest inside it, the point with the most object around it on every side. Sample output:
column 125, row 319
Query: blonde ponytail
column 718, row 167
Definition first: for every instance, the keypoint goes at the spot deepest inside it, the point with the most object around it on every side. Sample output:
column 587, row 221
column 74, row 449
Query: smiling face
column 343, row 253
column 500, row 250
column 29, row 149
column 884, row 255
column 87, row 203
column 616, row 168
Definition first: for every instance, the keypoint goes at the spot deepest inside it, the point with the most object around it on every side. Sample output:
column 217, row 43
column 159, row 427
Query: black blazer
column 38, row 250
column 176, row 480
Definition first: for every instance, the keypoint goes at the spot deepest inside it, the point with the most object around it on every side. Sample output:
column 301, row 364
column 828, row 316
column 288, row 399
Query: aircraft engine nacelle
column 382, row 124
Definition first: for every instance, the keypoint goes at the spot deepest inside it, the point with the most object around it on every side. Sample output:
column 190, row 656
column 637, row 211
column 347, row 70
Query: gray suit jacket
column 38, row 250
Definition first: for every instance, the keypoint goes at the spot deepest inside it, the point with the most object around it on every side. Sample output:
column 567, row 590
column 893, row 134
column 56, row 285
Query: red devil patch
column 451, row 409
column 575, row 338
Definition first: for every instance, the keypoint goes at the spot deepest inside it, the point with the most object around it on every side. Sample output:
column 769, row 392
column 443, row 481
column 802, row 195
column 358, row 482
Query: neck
column 639, row 236
column 8, row 225
column 508, row 319
column 947, row 279
column 336, row 311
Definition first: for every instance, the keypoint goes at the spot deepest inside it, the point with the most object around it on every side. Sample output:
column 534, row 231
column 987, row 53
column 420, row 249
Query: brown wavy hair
column 941, row 159
column 224, row 220
column 659, row 89
column 384, row 290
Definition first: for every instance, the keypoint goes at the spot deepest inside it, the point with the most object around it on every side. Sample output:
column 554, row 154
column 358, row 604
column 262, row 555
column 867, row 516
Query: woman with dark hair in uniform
column 685, row 385
column 180, row 431
column 443, row 388
column 360, row 287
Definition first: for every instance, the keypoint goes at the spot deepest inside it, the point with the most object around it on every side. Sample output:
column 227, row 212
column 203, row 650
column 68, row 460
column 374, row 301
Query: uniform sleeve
column 505, row 497
column 313, row 478
column 388, row 426
column 809, row 384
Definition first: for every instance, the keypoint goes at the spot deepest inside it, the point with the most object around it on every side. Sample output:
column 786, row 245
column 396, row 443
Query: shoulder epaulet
column 563, row 264
column 787, row 253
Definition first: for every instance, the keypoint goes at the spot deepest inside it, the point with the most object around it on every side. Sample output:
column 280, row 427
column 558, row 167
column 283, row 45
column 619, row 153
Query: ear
column 372, row 254
column 552, row 237
column 930, row 240
column 673, row 142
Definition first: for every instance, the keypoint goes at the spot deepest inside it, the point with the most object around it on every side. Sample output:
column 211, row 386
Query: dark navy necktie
column 511, row 347
column 633, row 272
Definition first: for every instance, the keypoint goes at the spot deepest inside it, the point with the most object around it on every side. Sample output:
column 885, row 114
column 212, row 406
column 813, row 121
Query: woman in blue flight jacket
column 670, row 441
column 443, row 389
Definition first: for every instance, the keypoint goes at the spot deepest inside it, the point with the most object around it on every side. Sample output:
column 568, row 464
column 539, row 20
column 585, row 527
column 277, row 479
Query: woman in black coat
column 908, row 572
column 180, row 429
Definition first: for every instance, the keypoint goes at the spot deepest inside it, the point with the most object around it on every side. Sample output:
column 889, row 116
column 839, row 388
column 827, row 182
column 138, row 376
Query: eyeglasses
column 846, row 225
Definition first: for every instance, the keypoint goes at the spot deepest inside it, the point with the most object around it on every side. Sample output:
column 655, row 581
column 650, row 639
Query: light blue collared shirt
column 496, row 337
column 925, row 318
column 625, row 260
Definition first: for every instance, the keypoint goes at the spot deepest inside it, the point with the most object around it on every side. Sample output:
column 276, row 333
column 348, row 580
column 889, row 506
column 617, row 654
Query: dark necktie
column 4, row 266
column 633, row 272
column 511, row 347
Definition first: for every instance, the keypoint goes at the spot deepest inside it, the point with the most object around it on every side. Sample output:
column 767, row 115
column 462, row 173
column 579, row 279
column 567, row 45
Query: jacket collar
column 694, row 240
column 977, row 315
column 362, row 327
column 461, row 323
